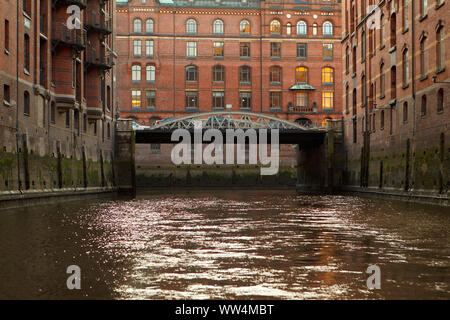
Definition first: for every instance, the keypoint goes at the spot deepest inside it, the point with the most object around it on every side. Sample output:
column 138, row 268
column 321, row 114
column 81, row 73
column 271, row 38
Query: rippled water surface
column 226, row 244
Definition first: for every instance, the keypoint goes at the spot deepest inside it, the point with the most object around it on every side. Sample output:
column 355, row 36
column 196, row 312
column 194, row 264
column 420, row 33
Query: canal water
column 226, row 245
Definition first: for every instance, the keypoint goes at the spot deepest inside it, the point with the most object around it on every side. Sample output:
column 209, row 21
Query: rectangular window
column 6, row 94
column 327, row 100
column 155, row 147
column 327, row 51
column 68, row 119
column 275, row 100
column 137, row 48
column 136, row 99
column 218, row 49
column 191, row 49
column 26, row 52
column 7, row 35
column 301, row 99
column 218, row 100
column 301, row 50
column 192, row 99
column 245, row 100
column 150, row 97
column 275, row 50
column 244, row 48
column 149, row 48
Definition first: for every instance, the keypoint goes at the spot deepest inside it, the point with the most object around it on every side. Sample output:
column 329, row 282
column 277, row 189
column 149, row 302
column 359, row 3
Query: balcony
column 99, row 59
column 80, row 3
column 98, row 22
column 302, row 109
column 61, row 35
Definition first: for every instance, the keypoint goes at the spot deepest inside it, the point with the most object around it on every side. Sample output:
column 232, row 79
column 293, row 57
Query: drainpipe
column 261, row 11
column 17, row 98
column 413, row 68
column 174, row 58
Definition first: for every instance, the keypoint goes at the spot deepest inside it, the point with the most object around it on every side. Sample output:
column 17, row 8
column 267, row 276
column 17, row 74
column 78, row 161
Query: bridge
column 289, row 132
column 316, row 155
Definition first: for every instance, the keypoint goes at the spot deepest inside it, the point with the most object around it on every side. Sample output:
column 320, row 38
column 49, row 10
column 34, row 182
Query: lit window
column 301, row 74
column 275, row 27
column 327, row 51
column 327, row 100
column 244, row 27
column 327, row 75
column 218, row 49
column 136, row 99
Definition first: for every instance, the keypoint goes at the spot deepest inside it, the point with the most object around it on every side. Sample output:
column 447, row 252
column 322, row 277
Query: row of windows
column 245, row 99
column 244, row 27
column 218, row 74
column 244, row 49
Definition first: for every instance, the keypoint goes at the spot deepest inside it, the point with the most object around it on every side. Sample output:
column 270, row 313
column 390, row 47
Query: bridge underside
column 306, row 138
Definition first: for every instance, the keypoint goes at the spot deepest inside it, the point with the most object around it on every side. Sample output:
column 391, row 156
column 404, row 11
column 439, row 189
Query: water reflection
column 226, row 244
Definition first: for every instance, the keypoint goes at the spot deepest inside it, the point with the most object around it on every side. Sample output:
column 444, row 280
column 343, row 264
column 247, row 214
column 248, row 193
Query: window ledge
column 6, row 103
column 245, row 58
column 150, row 82
column 218, row 83
column 275, row 83
column 6, row 51
column 26, row 71
column 244, row 83
column 150, row 109
column 424, row 77
column 382, row 96
column 440, row 70
column 275, row 110
column 218, row 57
column 382, row 47
column 392, row 49
column 327, row 59
column 440, row 112
column 405, row 30
column 353, row 75
column 423, row 17
column 405, row 86
column 275, row 58
column 439, row 5
column 133, row 82
column 149, row 57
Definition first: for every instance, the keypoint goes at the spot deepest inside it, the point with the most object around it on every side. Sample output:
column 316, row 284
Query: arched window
column 149, row 26
column 301, row 28
column 137, row 26
column 150, row 73
column 347, row 60
column 423, row 109
column 327, row 28
column 191, row 26
column 440, row 100
column 325, row 121
column 327, row 75
column 301, row 74
column 440, row 49
column 218, row 27
column 219, row 73
column 244, row 74
column 275, row 74
column 405, row 63
column 288, row 28
column 315, row 27
column 136, row 73
column 26, row 103
column 191, row 73
column 244, row 27
column 275, row 27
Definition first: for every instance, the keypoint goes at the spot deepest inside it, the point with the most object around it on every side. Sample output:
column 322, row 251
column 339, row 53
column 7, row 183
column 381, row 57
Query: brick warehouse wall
column 170, row 59
column 50, row 140
column 410, row 151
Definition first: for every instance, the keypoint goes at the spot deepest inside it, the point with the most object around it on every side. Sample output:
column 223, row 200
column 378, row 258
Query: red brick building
column 397, row 94
column 281, row 58
column 56, row 87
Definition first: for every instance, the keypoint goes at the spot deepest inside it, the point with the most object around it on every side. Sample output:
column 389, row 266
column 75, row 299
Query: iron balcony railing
column 72, row 37
column 97, row 21
column 303, row 109
column 99, row 59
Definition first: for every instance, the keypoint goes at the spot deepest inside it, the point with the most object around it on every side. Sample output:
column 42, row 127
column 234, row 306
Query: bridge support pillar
column 315, row 169
column 124, row 157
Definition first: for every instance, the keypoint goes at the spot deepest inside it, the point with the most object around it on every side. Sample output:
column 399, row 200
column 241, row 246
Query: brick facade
column 170, row 35
column 56, row 93
column 391, row 98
